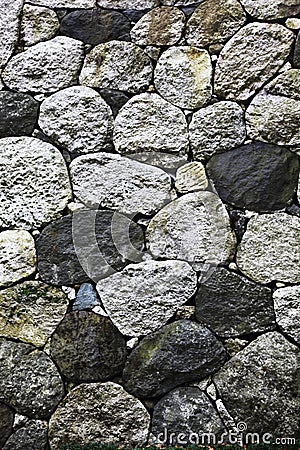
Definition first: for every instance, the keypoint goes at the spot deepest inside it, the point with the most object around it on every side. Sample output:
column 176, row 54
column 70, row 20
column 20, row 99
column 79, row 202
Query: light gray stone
column 17, row 256
column 270, row 249
column 99, row 412
column 10, row 11
column 38, row 24
column 250, row 58
column 166, row 161
column 149, row 123
column 84, row 107
column 293, row 23
column 62, row 58
column 191, row 177
column 117, row 65
column 33, row 435
column 86, row 298
column 128, row 4
column 287, row 310
column 271, row 9
column 34, row 176
column 65, row 3
column 183, row 77
column 194, row 228
column 144, row 296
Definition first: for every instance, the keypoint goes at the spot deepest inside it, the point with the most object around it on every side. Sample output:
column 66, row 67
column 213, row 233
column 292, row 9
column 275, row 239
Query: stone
column 17, row 256
column 86, row 108
column 239, row 221
column 148, row 123
column 293, row 23
column 18, row 114
column 231, row 305
column 87, row 347
column 183, row 77
column 10, row 12
column 125, row 185
column 270, row 249
column 96, row 26
column 115, row 99
column 260, row 386
column 271, row 9
column 62, row 58
column 86, row 298
column 287, row 309
column 296, row 58
column 34, row 176
column 160, row 26
column 251, row 58
column 259, row 177
column 65, row 3
column 87, row 245
column 117, row 65
column 194, row 228
column 6, row 422
column 99, row 412
column 191, row 177
column 166, row 161
column 185, row 416
column 131, row 5
column 32, row 436
column 273, row 114
column 38, row 24
column 144, row 296
column 234, row 345
column 31, row 311
column 178, row 353
column 29, row 380
column 217, row 128
column 214, row 22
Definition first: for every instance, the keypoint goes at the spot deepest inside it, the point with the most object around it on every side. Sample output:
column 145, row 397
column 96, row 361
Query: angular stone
column 33, row 435
column 160, row 26
column 270, row 249
column 185, row 410
column 87, row 245
column 117, row 65
column 10, row 11
column 62, row 58
column 144, row 296
column 147, row 188
column 273, row 115
column 287, row 310
column 38, row 24
column 86, row 108
column 271, row 9
column 194, row 228
column 250, row 58
column 34, row 176
column 86, row 298
column 260, row 386
column 6, row 422
column 191, row 177
column 65, row 3
column 217, row 128
column 231, row 305
column 214, row 22
column 183, row 77
column 259, row 177
column 17, row 256
column 31, row 311
column 296, row 59
column 148, row 123
column 115, row 99
column 29, row 381
column 100, row 412
column 178, row 353
column 18, row 114
column 128, row 4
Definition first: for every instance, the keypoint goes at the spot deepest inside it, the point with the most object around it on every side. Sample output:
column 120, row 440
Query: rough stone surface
column 131, row 5
column 31, row 311
column 183, row 77
column 95, row 26
column 231, row 305
column 143, row 297
column 62, row 58
column 38, row 24
column 99, row 412
column 29, row 381
column 214, row 21
column 296, row 59
column 148, row 123
column 34, row 176
column 191, row 177
column 271, row 9
column 260, row 386
column 6, row 422
column 273, row 115
column 17, row 256
column 112, row 181
column 251, row 57
column 32, row 436
column 65, row 3
column 260, row 177
column 194, row 228
column 10, row 14
column 117, row 65
column 86, row 298
column 115, row 99
column 86, row 108
column 166, row 161
column 270, row 249
column 160, row 26
column 18, row 114
column 217, row 128
column 287, row 310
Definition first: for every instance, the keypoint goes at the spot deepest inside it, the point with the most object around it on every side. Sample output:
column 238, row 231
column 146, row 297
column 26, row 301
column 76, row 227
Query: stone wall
column 149, row 222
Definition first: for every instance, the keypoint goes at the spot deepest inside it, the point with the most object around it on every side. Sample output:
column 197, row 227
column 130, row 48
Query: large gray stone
column 33, row 435
column 38, row 24
column 10, row 11
column 128, row 4
column 65, row 3
column 287, row 310
column 271, row 9
column 18, row 114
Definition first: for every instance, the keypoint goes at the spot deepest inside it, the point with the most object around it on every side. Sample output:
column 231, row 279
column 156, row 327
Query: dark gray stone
column 296, row 60
column 33, row 436
column 258, row 176
column 239, row 222
column 88, row 347
column 86, row 298
column 231, row 305
column 6, row 423
column 115, row 99
column 18, row 114
column 178, row 353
